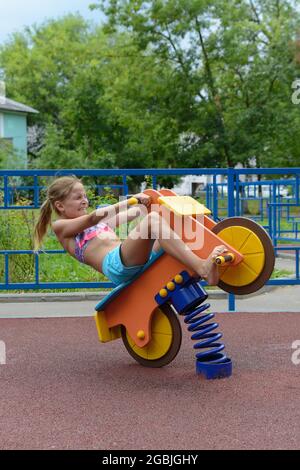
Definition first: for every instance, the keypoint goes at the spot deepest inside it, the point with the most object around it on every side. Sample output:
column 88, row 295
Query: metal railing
column 237, row 191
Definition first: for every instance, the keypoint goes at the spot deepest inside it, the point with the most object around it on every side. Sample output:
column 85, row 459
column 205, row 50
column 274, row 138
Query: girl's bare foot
column 209, row 270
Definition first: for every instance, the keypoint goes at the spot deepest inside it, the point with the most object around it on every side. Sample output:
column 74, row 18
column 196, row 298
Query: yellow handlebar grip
column 220, row 260
column 132, row 201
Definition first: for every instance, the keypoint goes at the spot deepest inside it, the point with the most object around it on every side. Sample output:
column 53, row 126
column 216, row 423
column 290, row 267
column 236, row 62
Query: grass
column 55, row 268
column 16, row 233
column 277, row 274
column 281, row 273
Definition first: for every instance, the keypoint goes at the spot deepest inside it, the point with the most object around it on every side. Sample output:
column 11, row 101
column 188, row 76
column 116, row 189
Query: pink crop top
column 82, row 239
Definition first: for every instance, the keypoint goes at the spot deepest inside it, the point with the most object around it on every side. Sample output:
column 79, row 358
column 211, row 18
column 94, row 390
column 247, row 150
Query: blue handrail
column 233, row 188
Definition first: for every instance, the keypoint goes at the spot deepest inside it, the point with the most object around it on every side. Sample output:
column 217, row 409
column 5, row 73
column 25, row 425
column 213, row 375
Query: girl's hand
column 143, row 199
column 217, row 251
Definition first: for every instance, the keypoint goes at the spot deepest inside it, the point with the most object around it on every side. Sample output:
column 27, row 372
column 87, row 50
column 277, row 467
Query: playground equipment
column 144, row 311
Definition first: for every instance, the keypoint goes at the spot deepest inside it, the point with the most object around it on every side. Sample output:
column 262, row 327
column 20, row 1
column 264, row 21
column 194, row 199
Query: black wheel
column 165, row 339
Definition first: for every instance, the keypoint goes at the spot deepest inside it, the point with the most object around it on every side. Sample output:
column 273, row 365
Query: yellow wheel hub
column 249, row 245
column 161, row 338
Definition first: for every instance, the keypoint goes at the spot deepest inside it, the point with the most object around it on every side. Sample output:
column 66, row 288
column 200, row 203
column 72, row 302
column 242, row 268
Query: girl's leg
column 156, row 246
column 137, row 247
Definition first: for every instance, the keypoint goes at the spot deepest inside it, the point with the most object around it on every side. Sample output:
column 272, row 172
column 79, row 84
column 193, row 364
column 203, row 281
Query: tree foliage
column 164, row 83
column 234, row 62
column 9, row 157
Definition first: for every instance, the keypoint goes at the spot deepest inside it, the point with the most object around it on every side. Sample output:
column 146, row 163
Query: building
column 193, row 185
column 13, row 126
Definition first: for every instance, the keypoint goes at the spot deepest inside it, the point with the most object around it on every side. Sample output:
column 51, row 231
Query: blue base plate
column 214, row 370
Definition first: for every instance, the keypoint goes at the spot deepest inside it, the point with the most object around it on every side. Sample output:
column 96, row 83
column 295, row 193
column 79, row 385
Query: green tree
column 165, row 83
column 138, row 88
column 233, row 63
column 39, row 63
column 99, row 97
column 9, row 157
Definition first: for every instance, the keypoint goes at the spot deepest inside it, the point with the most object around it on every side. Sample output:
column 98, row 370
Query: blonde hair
column 58, row 190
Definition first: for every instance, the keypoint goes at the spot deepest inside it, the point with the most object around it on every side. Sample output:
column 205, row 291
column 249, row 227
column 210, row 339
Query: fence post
column 215, row 198
column 154, row 182
column 37, row 268
column 207, row 196
column 230, row 192
column 274, row 215
column 125, row 185
column 231, row 213
column 237, row 195
column 36, row 191
column 6, row 270
column 6, row 196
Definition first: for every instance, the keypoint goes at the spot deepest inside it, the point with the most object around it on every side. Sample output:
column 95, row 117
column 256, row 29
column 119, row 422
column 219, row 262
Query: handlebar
column 132, row 201
column 221, row 260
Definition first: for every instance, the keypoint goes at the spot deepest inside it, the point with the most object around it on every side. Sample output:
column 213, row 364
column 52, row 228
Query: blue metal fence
column 274, row 208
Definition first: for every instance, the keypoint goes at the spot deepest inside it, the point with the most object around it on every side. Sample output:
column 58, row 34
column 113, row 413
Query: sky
column 15, row 14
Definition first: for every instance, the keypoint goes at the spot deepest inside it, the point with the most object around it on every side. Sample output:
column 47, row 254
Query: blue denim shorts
column 114, row 269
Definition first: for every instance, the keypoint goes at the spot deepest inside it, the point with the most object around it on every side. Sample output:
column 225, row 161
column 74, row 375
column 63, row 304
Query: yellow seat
column 183, row 205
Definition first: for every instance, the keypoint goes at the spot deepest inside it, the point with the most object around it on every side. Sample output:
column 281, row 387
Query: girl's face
column 75, row 204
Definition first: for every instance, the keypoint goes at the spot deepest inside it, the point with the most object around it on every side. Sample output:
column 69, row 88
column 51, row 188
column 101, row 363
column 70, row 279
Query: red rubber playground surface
column 62, row 389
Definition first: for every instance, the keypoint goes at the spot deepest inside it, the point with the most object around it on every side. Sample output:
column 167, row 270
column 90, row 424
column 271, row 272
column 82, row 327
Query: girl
column 90, row 238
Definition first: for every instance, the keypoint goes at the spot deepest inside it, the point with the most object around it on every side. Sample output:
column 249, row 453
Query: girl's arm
column 126, row 216
column 67, row 228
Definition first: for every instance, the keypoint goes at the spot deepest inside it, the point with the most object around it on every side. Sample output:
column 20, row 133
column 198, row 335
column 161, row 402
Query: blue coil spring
column 203, row 332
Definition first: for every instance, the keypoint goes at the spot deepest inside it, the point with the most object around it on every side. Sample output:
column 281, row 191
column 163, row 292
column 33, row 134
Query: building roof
column 11, row 105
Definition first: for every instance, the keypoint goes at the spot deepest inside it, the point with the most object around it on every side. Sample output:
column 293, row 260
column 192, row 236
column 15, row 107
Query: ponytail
column 58, row 190
column 42, row 224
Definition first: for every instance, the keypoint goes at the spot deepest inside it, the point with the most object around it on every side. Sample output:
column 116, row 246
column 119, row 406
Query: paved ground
column 280, row 299
column 62, row 389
